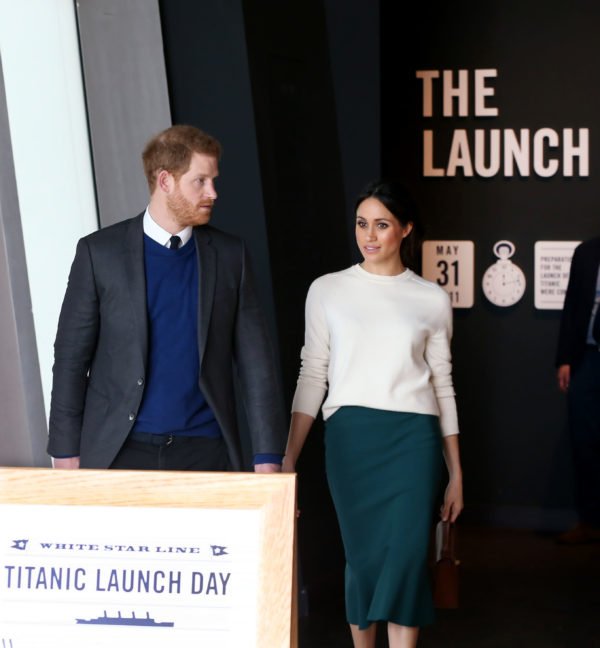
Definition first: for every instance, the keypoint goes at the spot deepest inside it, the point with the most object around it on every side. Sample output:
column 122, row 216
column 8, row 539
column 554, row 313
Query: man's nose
column 211, row 192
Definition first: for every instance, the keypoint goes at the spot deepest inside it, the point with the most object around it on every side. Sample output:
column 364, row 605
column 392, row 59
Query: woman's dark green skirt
column 384, row 471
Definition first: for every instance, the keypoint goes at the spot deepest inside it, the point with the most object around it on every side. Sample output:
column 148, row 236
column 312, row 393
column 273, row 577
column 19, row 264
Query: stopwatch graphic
column 504, row 282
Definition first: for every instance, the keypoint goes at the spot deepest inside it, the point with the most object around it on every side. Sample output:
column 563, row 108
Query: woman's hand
column 288, row 465
column 299, row 428
column 453, row 500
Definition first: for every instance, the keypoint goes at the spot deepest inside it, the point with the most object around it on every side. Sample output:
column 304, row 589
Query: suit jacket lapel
column 207, row 275
column 133, row 250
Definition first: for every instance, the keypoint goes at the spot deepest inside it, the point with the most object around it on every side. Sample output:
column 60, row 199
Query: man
column 578, row 362
column 159, row 310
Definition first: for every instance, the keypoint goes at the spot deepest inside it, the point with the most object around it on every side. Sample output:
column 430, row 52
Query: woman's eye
column 361, row 224
column 382, row 225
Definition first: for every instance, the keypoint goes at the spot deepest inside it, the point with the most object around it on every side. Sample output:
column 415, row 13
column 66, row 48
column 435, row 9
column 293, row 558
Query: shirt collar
column 160, row 235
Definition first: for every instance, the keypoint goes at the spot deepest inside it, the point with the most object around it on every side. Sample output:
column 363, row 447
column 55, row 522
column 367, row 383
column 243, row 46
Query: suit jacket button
column 131, row 416
column 140, row 381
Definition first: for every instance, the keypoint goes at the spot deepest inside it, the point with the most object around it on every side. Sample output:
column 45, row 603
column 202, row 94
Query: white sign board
column 75, row 576
column 451, row 264
column 552, row 266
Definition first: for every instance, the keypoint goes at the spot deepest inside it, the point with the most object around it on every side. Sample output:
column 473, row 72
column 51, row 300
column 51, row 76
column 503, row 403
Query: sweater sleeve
column 439, row 358
column 312, row 381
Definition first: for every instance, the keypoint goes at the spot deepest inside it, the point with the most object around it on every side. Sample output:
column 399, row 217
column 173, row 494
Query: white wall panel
column 48, row 127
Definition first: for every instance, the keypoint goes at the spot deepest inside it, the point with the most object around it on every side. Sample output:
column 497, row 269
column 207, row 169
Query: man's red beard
column 186, row 213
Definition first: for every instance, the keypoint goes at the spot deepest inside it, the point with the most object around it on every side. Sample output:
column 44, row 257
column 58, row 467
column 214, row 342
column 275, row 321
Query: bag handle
column 446, row 540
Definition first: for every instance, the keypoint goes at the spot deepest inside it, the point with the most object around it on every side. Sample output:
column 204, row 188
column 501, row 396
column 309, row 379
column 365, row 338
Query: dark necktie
column 175, row 242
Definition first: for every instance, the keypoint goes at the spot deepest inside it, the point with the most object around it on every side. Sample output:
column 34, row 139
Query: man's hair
column 172, row 150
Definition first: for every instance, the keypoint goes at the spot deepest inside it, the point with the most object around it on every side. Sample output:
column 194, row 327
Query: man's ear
column 165, row 181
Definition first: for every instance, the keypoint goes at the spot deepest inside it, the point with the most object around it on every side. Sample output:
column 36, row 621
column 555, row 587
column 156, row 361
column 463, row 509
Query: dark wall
column 353, row 40
column 516, row 455
column 209, row 87
column 299, row 156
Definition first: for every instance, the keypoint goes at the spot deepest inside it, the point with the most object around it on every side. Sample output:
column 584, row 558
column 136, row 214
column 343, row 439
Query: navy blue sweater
column 173, row 402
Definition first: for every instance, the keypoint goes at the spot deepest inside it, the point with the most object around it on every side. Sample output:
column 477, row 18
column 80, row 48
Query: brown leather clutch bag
column 445, row 573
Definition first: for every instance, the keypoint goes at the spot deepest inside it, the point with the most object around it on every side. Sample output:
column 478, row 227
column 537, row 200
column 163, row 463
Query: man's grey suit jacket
column 101, row 346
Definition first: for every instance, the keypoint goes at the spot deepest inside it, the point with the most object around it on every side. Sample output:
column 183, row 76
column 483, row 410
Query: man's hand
column 70, row 463
column 564, row 377
column 267, row 468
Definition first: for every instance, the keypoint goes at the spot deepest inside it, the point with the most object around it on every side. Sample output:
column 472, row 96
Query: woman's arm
column 312, row 381
column 453, row 498
column 299, row 429
column 439, row 358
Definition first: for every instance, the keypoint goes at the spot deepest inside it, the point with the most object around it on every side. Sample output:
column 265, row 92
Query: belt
column 153, row 439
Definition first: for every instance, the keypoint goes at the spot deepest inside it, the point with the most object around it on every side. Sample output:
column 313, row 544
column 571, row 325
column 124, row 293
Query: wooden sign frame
column 274, row 495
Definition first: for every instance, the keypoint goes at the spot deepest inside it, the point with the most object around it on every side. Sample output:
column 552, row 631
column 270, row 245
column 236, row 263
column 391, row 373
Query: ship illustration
column 146, row 621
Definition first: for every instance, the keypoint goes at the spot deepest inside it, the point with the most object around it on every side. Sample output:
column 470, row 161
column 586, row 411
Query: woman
column 377, row 340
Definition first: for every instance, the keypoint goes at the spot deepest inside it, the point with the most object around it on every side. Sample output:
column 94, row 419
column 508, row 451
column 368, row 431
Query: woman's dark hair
column 397, row 200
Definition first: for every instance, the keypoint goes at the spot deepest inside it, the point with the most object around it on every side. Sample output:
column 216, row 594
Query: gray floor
column 519, row 589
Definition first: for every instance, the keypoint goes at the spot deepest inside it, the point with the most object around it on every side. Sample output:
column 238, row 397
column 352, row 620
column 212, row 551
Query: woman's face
column 379, row 235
